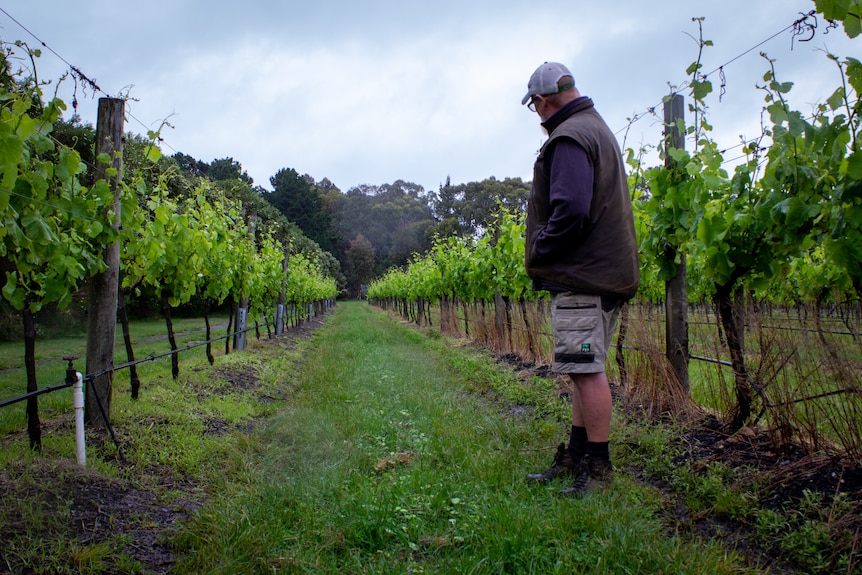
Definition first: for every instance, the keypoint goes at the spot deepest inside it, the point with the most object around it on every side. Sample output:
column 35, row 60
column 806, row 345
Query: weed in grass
column 90, row 558
column 805, row 545
column 648, row 446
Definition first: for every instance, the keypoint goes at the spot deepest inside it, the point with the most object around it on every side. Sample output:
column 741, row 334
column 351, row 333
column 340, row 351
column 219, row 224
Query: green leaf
column 796, row 123
column 853, row 25
column 832, row 9
column 854, row 165
column 12, row 292
column 711, row 229
column 781, row 87
column 26, row 127
column 153, row 154
column 679, row 155
column 701, row 90
column 36, row 229
column 777, row 113
column 10, row 154
column 93, row 229
column 836, row 100
column 854, row 74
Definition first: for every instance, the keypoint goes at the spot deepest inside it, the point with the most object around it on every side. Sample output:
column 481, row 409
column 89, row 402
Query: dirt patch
column 242, row 377
column 72, row 503
column 811, row 491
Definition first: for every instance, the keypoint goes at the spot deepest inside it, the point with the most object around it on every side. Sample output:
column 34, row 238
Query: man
column 580, row 247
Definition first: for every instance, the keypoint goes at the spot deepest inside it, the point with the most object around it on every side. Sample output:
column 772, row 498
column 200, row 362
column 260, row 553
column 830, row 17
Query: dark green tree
column 227, row 169
column 469, row 208
column 190, row 165
column 358, row 264
column 394, row 217
column 299, row 200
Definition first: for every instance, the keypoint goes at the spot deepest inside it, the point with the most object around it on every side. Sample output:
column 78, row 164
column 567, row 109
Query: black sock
column 598, row 450
column 578, row 442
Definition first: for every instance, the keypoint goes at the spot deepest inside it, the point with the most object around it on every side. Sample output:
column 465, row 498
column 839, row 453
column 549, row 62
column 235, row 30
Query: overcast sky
column 376, row 91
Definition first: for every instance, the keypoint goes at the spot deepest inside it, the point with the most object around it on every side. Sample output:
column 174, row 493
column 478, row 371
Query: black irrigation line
column 782, row 328
column 710, row 360
column 766, row 403
column 38, row 392
column 154, row 357
column 628, row 347
column 694, row 357
column 90, row 378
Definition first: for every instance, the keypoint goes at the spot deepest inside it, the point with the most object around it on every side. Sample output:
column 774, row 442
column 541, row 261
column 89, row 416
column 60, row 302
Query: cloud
column 371, row 92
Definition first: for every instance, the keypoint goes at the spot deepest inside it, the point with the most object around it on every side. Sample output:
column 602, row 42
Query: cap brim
column 526, row 98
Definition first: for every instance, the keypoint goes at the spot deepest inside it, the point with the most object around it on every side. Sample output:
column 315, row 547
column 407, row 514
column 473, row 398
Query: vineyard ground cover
column 769, row 465
column 781, row 510
column 805, row 370
column 118, row 517
column 402, row 453
column 148, row 336
column 740, row 488
column 822, row 489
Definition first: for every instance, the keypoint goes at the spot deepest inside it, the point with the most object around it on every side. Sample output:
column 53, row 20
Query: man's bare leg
column 591, row 405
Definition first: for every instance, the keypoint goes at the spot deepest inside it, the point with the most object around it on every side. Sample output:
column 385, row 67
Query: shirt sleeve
column 571, row 175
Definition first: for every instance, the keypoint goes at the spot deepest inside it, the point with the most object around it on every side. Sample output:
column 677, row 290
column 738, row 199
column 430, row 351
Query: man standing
column 580, row 247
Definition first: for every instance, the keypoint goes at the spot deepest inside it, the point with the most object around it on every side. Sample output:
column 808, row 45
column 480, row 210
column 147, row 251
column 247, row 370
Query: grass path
column 394, row 455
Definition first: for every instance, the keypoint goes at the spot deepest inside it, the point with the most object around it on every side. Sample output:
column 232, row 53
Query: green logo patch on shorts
column 585, row 348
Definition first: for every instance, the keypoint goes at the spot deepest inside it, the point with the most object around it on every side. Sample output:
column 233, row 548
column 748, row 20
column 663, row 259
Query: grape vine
column 55, row 229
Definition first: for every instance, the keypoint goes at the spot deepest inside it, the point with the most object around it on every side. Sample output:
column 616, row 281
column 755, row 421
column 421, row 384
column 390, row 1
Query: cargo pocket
column 574, row 318
column 576, row 324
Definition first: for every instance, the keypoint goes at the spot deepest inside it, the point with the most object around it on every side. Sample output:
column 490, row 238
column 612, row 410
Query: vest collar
column 567, row 111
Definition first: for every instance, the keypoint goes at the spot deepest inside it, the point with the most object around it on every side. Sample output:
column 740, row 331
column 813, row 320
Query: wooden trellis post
column 676, row 290
column 104, row 287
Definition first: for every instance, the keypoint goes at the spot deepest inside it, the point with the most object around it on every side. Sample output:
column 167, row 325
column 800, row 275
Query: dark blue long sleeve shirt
column 571, row 175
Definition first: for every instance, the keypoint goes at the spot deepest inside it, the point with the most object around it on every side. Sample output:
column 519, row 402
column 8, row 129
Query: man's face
column 541, row 106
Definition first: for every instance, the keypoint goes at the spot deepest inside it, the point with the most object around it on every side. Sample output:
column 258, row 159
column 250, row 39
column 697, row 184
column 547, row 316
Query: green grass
column 387, row 460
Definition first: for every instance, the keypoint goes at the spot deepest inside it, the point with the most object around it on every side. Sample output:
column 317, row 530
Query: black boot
column 595, row 474
column 565, row 465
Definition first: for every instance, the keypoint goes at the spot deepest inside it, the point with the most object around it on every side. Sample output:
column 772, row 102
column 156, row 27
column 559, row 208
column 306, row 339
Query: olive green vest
column 605, row 260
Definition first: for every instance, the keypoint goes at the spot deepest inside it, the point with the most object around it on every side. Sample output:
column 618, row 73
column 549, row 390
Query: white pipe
column 78, row 400
column 279, row 319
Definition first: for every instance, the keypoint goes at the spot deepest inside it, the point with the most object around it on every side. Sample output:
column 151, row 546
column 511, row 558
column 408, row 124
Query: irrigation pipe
column 67, row 383
column 78, row 402
column 27, row 396
column 76, row 380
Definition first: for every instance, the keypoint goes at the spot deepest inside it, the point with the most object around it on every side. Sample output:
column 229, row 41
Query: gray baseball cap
column 545, row 80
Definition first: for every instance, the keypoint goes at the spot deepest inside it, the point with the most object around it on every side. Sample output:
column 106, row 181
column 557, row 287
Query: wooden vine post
column 103, row 287
column 242, row 309
column 676, row 291
column 282, row 295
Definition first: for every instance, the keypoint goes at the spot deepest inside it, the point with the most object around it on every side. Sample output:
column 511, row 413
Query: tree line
column 373, row 228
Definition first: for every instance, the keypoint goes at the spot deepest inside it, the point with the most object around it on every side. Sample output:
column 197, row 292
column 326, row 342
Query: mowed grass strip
column 387, row 460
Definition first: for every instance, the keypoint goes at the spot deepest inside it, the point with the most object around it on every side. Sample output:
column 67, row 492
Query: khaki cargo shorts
column 583, row 328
